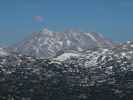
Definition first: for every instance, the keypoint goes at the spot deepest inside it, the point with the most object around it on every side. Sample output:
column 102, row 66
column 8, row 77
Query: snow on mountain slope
column 93, row 57
column 66, row 56
column 47, row 43
column 3, row 52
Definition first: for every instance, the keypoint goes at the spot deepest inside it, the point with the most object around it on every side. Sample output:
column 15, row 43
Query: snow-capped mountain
column 48, row 43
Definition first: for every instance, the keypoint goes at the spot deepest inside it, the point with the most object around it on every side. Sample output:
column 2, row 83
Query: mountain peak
column 45, row 30
column 47, row 43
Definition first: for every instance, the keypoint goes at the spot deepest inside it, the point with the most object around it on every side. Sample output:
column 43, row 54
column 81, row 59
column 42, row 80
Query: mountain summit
column 47, row 43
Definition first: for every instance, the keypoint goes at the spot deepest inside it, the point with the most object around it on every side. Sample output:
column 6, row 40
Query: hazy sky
column 112, row 18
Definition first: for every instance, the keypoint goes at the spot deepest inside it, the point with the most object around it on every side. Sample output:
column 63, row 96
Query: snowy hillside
column 3, row 52
column 47, row 43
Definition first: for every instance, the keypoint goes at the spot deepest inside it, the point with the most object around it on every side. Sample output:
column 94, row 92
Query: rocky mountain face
column 48, row 43
column 94, row 74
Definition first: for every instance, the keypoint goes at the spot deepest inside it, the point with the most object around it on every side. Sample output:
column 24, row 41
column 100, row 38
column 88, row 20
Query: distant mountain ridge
column 47, row 43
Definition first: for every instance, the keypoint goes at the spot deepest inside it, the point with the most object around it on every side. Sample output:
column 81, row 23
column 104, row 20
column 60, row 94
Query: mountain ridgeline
column 47, row 43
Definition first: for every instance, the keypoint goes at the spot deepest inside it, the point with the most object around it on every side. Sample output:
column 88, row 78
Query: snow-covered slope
column 47, row 43
column 3, row 52
column 93, row 57
column 66, row 56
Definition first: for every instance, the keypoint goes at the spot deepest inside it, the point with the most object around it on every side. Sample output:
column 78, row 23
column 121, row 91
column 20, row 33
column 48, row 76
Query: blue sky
column 112, row 18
